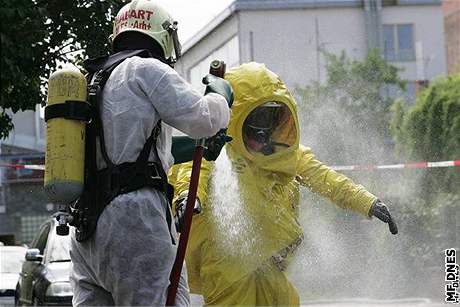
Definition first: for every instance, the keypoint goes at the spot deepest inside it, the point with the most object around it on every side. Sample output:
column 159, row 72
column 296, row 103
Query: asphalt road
column 196, row 300
column 6, row 301
column 420, row 302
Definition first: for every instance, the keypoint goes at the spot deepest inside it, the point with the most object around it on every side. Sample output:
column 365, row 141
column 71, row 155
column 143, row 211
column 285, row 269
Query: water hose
column 217, row 68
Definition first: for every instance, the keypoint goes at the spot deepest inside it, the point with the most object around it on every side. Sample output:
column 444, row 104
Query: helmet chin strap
column 172, row 30
column 175, row 38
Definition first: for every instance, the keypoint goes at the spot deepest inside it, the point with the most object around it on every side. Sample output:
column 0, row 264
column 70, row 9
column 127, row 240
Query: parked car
column 44, row 278
column 11, row 258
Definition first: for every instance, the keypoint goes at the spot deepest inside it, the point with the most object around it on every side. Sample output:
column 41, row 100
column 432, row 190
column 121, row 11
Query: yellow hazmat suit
column 241, row 261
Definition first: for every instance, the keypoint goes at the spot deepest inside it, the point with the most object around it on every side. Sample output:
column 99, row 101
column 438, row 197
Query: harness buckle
column 152, row 171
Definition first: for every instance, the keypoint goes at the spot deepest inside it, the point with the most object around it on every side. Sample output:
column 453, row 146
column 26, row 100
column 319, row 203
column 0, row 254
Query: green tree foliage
column 430, row 131
column 397, row 110
column 358, row 86
column 36, row 35
column 351, row 102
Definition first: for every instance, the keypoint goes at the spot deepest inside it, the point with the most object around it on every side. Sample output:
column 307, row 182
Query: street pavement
column 197, row 300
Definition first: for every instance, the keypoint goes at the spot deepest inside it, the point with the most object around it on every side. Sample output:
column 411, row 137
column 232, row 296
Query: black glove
column 180, row 211
column 214, row 145
column 219, row 86
column 380, row 211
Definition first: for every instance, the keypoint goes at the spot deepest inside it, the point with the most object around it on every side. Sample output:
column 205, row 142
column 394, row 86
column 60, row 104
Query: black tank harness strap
column 130, row 176
column 69, row 109
column 102, row 186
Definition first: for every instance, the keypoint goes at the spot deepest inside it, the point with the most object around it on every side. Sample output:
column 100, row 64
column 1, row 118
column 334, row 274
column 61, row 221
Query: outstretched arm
column 326, row 182
column 340, row 189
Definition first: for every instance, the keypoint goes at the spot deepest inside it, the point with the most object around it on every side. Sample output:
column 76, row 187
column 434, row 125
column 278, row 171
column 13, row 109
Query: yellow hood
column 253, row 85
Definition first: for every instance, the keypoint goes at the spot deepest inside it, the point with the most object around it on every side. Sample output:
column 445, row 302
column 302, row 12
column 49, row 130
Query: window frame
column 396, row 49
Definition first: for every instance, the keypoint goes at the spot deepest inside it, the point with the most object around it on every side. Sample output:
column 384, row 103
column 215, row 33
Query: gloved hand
column 380, row 211
column 180, row 211
column 219, row 86
column 214, row 145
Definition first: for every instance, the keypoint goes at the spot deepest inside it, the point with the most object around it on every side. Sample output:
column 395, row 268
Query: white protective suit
column 129, row 258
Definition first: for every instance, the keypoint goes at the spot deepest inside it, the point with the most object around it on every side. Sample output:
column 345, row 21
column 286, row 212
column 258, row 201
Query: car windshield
column 59, row 248
column 11, row 260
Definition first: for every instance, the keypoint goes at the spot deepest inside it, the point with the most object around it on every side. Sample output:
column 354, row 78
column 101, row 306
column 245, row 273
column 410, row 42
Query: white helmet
column 149, row 18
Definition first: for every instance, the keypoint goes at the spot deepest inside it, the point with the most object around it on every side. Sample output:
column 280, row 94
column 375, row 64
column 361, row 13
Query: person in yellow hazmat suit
column 246, row 266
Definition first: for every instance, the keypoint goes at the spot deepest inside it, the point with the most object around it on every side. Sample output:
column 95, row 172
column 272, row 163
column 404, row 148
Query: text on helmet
column 139, row 14
column 122, row 20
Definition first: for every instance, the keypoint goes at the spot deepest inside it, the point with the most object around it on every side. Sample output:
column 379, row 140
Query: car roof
column 12, row 248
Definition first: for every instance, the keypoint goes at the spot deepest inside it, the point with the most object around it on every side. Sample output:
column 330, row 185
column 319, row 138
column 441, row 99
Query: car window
column 11, row 260
column 40, row 240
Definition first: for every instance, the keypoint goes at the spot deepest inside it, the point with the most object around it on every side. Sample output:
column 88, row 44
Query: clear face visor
column 269, row 128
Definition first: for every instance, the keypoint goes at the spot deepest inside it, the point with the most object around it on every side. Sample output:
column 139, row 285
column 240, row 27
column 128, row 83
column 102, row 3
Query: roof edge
column 295, row 4
column 419, row 2
column 306, row 4
column 209, row 27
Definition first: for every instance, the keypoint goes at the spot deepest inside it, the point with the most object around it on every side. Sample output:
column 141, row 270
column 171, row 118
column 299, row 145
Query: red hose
column 217, row 68
column 178, row 263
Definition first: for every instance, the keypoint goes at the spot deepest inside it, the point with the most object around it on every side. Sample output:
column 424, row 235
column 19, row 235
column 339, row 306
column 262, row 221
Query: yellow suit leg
column 266, row 286
column 274, row 288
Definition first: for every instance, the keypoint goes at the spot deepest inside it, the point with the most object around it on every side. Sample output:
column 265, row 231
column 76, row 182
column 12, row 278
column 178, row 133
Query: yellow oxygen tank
column 65, row 138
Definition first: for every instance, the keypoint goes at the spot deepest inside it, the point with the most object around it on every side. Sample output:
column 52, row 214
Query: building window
column 398, row 42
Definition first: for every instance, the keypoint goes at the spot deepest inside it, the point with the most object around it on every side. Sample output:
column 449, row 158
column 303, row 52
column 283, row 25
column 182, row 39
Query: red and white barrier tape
column 24, row 166
column 337, row 168
column 397, row 166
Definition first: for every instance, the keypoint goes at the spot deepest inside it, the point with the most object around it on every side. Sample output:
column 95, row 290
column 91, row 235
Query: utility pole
column 2, row 195
column 318, row 50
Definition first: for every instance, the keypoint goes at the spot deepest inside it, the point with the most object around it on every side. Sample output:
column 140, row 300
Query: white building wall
column 29, row 131
column 228, row 52
column 215, row 40
column 287, row 41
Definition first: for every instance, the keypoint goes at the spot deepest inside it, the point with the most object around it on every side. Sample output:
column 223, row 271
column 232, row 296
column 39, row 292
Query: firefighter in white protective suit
column 124, row 247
